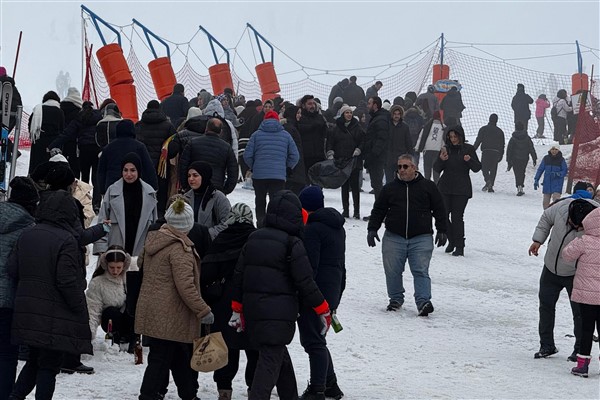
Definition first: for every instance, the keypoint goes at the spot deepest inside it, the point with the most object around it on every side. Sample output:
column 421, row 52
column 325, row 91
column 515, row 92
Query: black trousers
column 550, row 287
column 489, row 165
column 590, row 320
column 165, row 356
column 376, row 170
column 315, row 345
column 274, row 367
column 224, row 377
column 519, row 167
column 352, row 184
column 560, row 129
column 540, row 128
column 88, row 161
column 40, row 373
column 429, row 158
column 261, row 188
column 455, row 209
column 8, row 354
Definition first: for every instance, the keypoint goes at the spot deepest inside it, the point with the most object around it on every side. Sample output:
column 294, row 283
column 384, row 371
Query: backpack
column 578, row 210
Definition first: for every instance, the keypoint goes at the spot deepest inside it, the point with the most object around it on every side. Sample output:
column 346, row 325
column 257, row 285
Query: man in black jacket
column 407, row 205
column 176, row 105
column 400, row 142
column 376, row 143
column 491, row 139
column 215, row 151
column 353, row 94
column 520, row 105
column 313, row 131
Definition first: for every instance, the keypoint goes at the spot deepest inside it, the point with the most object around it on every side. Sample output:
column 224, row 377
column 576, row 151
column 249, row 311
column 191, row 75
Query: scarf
column 37, row 118
column 162, row 161
column 240, row 213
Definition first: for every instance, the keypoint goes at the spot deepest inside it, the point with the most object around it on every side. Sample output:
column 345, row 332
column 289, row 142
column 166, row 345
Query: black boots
column 313, row 393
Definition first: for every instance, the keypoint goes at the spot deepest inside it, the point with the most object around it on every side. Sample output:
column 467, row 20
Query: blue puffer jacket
column 555, row 170
column 13, row 220
column 270, row 151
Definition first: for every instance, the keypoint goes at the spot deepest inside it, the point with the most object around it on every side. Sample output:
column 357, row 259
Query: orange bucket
column 220, row 77
column 440, row 72
column 126, row 99
column 163, row 76
column 114, row 66
column 267, row 78
column 579, row 82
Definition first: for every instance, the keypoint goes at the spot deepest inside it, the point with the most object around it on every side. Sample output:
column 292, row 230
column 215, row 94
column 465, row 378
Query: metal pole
column 15, row 150
column 17, row 56
column 442, row 50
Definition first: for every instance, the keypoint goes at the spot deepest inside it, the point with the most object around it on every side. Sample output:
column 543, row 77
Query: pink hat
column 2, row 71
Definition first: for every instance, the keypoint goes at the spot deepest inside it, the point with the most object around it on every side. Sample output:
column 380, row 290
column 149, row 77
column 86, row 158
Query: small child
column 586, row 285
column 106, row 296
column 554, row 168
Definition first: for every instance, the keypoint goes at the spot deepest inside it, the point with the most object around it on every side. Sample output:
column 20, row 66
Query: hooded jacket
column 14, row 219
column 270, row 151
column 106, row 128
column 274, row 273
column 452, row 104
column 456, row 180
column 50, row 308
column 520, row 105
column 400, row 142
column 152, row 130
column 109, row 165
column 431, row 137
column 170, row 306
column 313, row 131
column 520, row 147
column 585, row 252
column 228, row 131
column 555, row 170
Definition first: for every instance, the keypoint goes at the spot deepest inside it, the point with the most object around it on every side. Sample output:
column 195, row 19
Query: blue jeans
column 395, row 250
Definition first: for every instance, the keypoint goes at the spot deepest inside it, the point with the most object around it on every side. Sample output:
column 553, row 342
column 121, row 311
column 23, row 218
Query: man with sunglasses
column 407, row 204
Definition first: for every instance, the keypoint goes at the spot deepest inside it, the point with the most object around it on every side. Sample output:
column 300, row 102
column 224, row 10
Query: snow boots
column 332, row 390
column 545, row 352
column 313, row 393
column 520, row 191
column 583, row 363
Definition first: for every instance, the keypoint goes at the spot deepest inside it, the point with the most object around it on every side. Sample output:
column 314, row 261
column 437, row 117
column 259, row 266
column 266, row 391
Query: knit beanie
column 23, row 192
column 344, row 109
column 180, row 216
column 555, row 145
column 59, row 176
column 338, row 100
column 312, row 198
column 2, row 71
column 193, row 112
column 135, row 160
column 125, row 128
column 272, row 115
column 582, row 185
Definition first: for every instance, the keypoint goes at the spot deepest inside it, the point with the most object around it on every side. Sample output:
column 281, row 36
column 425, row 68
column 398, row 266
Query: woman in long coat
column 46, row 122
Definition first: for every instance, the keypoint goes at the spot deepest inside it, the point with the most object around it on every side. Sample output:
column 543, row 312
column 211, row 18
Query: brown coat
column 170, row 305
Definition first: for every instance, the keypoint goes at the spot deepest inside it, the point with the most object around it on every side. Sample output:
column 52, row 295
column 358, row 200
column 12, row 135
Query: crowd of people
column 158, row 189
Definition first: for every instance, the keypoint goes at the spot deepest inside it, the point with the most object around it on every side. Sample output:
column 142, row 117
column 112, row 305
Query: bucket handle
column 212, row 40
column 148, row 33
column 95, row 19
column 259, row 36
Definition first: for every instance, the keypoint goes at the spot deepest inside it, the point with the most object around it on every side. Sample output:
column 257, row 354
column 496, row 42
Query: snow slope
column 479, row 342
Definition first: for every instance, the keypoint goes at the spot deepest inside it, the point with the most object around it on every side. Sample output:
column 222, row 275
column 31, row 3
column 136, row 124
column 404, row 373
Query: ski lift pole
column 259, row 36
column 442, row 49
column 212, row 40
column 15, row 149
column 148, row 33
column 95, row 19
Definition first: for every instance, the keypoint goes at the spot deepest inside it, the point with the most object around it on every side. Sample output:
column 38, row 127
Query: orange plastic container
column 126, row 99
column 267, row 78
column 269, row 96
column 113, row 64
column 579, row 82
column 220, row 77
column 163, row 76
column 440, row 72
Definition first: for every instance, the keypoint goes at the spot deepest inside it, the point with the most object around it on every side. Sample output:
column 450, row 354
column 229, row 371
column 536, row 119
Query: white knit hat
column 555, row 145
column 180, row 216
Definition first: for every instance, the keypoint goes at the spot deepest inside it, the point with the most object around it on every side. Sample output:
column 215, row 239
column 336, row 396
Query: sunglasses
column 404, row 166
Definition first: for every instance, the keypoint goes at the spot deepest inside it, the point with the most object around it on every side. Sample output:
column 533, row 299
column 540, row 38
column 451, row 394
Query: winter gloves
column 330, row 154
column 356, row 152
column 208, row 319
column 237, row 322
column 371, row 236
column 440, row 239
column 324, row 313
column 536, row 184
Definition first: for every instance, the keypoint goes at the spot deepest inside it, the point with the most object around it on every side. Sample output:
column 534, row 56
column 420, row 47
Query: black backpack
column 578, row 210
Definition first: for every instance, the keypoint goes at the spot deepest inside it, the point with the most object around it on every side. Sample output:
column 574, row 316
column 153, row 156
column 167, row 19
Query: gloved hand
column 208, row 319
column 356, row 152
column 536, row 185
column 371, row 236
column 237, row 322
column 440, row 239
column 326, row 321
column 534, row 163
column 330, row 154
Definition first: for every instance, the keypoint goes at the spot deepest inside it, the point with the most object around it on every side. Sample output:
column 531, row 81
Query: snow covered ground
column 479, row 342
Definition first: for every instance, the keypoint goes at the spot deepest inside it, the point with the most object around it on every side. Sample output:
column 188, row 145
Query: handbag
column 210, row 352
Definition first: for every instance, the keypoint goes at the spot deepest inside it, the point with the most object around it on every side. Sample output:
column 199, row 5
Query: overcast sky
column 328, row 35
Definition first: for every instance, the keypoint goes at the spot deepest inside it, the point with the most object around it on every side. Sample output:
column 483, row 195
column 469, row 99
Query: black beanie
column 59, row 176
column 153, row 105
column 135, row 160
column 125, row 128
column 582, row 185
column 23, row 192
column 205, row 171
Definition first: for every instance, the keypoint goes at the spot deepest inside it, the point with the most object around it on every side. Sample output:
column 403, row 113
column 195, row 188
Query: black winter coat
column 325, row 243
column 400, row 142
column 336, row 91
column 50, row 306
column 313, row 131
column 520, row 105
column 274, row 273
column 81, row 129
column 491, row 139
column 415, row 123
column 520, row 147
column 456, row 180
column 215, row 151
column 175, row 107
column 109, row 165
column 343, row 140
column 218, row 266
column 152, row 130
column 452, row 105
column 194, row 127
column 53, row 123
column 298, row 173
column 377, row 138
column 353, row 94
column 407, row 208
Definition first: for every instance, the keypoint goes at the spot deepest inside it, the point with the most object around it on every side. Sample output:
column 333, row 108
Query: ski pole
column 15, row 150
